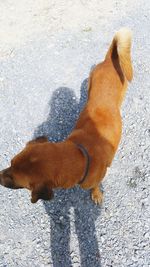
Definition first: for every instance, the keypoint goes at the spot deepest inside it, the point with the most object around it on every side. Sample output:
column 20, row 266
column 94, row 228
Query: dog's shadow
column 72, row 213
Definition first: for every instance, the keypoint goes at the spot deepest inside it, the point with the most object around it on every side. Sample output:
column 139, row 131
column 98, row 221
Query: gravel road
column 47, row 49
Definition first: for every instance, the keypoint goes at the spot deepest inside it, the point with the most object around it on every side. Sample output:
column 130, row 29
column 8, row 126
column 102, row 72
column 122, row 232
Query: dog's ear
column 40, row 139
column 41, row 192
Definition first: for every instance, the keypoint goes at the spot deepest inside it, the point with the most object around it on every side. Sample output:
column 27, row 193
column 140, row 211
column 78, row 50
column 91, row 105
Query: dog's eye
column 9, row 176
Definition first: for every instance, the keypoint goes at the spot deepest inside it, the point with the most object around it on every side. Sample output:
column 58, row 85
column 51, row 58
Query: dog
column 83, row 158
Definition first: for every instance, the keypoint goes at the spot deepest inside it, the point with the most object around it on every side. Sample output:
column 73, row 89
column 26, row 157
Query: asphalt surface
column 46, row 53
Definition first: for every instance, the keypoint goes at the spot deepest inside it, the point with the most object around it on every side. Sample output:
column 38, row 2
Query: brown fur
column 42, row 165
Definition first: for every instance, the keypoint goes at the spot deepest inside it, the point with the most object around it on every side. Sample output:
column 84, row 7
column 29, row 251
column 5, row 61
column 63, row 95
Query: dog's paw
column 97, row 196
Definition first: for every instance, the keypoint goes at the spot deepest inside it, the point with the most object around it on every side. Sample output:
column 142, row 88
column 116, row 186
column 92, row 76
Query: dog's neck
column 72, row 164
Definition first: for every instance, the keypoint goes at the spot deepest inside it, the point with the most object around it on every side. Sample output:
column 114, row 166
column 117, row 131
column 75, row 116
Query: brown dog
column 85, row 155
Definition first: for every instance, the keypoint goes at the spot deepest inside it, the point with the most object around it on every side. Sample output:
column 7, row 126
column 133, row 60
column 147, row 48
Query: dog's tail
column 120, row 50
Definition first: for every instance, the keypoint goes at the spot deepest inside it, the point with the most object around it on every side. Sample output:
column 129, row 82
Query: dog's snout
column 5, row 179
column 1, row 177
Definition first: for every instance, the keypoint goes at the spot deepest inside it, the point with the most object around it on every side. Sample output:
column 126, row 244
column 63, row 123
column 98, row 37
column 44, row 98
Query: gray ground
column 47, row 49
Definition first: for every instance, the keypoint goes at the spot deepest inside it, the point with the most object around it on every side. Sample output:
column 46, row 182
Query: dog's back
column 107, row 87
column 100, row 122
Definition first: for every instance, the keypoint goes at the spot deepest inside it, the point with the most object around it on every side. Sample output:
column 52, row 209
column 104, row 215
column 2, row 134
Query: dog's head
column 28, row 170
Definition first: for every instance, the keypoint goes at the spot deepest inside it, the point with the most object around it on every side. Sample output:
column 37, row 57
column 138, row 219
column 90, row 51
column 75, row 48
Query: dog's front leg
column 97, row 195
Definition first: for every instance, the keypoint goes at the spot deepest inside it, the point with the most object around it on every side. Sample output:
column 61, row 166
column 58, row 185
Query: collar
column 86, row 155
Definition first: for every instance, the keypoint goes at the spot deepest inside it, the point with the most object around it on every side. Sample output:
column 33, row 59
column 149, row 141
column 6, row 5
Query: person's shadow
column 72, row 214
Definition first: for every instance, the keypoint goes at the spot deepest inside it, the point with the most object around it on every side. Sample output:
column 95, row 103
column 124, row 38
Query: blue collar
column 86, row 155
